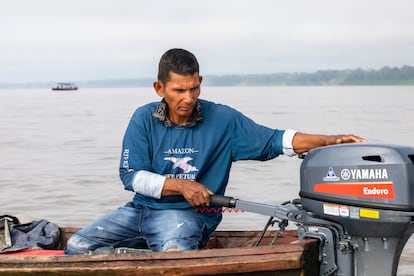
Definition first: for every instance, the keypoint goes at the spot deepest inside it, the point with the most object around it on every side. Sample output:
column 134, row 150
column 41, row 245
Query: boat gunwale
column 287, row 254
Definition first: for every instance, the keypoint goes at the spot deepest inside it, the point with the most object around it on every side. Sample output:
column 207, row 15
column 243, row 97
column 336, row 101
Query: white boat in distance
column 65, row 86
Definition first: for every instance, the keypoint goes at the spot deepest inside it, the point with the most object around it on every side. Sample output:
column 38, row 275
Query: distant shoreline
column 385, row 76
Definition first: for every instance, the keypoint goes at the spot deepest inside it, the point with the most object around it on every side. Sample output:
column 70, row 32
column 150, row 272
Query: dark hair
column 179, row 61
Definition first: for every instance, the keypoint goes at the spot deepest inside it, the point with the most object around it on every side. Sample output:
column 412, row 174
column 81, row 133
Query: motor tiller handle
column 222, row 201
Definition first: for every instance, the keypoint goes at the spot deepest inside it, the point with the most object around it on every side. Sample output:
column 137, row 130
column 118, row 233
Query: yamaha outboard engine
column 357, row 199
column 369, row 190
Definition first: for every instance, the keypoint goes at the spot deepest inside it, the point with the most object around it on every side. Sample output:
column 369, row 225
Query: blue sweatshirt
column 203, row 152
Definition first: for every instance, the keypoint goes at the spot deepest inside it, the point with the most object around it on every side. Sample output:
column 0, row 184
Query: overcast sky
column 73, row 40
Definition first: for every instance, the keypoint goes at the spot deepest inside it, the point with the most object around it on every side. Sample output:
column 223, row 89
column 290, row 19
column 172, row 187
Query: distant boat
column 65, row 86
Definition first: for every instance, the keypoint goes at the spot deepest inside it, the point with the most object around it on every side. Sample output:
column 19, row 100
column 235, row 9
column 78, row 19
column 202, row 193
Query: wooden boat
column 227, row 253
column 65, row 86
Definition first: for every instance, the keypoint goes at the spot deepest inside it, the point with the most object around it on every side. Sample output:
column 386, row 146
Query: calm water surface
column 59, row 151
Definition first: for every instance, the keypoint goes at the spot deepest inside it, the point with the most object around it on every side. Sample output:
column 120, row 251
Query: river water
column 59, row 151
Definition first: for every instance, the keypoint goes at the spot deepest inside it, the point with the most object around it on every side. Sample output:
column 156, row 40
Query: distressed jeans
column 158, row 230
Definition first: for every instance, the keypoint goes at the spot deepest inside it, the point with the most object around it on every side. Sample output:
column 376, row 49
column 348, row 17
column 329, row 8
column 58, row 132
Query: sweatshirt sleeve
column 254, row 141
column 136, row 153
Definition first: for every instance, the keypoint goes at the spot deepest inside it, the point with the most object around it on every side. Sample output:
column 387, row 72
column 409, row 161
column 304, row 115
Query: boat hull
column 227, row 253
column 64, row 89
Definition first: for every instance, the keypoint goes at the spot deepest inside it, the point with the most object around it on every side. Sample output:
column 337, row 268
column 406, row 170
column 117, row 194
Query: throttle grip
column 222, row 201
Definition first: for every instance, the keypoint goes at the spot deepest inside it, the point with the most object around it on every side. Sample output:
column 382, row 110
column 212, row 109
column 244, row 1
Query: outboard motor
column 357, row 199
column 369, row 190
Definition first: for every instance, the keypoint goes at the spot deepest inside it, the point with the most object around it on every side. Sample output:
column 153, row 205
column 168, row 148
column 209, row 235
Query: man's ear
column 159, row 88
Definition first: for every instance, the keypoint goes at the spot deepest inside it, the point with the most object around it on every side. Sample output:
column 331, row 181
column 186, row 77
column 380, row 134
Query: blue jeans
column 158, row 230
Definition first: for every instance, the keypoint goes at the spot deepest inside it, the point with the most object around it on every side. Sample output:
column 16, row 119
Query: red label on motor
column 383, row 190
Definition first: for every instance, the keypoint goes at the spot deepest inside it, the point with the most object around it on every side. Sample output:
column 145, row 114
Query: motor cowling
column 369, row 190
column 359, row 185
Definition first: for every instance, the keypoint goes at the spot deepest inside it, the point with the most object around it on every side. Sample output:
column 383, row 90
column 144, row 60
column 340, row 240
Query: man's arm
column 303, row 142
column 157, row 186
column 199, row 195
column 195, row 193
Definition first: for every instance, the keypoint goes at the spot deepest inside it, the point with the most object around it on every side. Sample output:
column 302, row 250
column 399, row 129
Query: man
column 175, row 154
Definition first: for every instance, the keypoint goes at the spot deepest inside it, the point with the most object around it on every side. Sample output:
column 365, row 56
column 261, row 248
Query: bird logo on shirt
column 182, row 163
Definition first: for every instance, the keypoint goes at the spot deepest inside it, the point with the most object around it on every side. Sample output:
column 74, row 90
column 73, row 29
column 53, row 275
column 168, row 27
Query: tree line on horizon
column 384, row 76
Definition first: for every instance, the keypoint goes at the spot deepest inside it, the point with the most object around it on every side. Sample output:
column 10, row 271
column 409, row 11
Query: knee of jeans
column 78, row 244
column 178, row 245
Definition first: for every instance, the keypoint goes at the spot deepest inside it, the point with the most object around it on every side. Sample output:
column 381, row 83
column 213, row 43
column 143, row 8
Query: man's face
column 181, row 93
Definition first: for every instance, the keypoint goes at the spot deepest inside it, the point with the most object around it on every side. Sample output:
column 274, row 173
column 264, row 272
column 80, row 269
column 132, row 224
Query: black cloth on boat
column 39, row 234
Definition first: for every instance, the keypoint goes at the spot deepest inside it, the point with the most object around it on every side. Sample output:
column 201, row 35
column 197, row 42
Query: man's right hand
column 195, row 193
